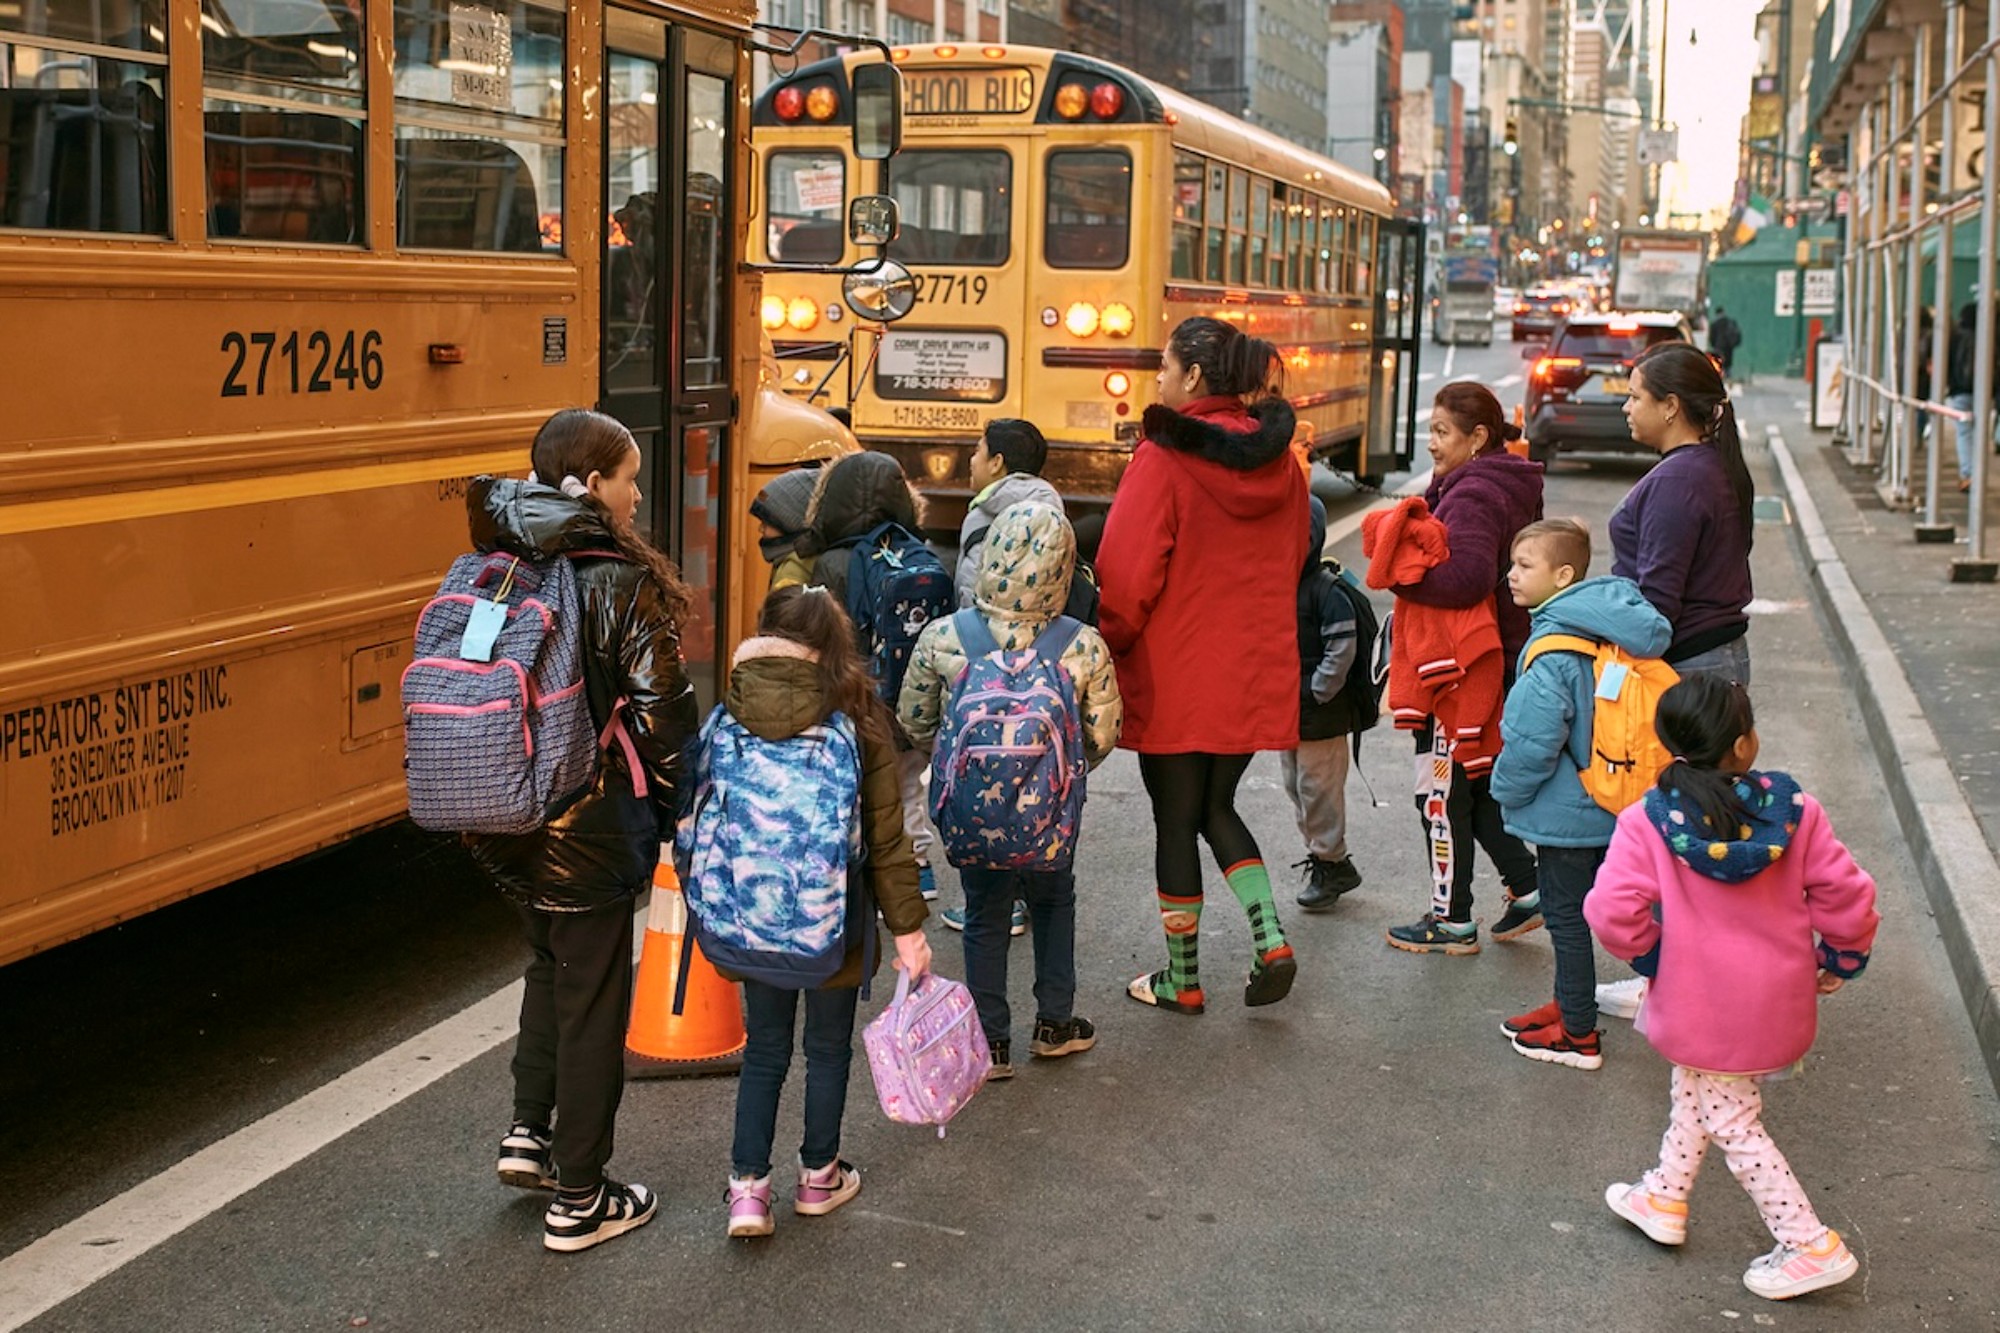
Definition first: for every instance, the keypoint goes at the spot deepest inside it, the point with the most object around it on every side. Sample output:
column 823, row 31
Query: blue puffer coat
column 1535, row 779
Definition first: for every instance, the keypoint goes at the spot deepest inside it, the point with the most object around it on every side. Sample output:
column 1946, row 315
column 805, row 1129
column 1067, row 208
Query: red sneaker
column 1556, row 1046
column 1534, row 1018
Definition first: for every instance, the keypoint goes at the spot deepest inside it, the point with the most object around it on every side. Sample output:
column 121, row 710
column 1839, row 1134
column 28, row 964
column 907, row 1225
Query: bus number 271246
column 965, row 289
column 308, row 362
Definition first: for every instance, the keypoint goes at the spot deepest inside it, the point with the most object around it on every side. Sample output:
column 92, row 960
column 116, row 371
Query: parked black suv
column 1576, row 392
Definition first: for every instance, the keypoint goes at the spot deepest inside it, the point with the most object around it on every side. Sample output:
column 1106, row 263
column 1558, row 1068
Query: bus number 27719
column 966, row 289
column 308, row 362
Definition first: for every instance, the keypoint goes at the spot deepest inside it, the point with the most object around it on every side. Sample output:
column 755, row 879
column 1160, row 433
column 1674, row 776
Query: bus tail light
column 789, row 103
column 1106, row 101
column 1117, row 384
column 1072, row 100
column 773, row 313
column 803, row 313
column 822, row 103
column 1081, row 319
column 1118, row 320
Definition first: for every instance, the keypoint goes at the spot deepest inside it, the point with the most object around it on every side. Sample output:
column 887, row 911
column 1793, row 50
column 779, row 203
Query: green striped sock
column 1251, row 884
column 1181, row 919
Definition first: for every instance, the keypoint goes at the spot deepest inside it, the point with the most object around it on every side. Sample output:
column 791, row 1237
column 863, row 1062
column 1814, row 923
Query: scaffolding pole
column 1975, row 567
column 1932, row 529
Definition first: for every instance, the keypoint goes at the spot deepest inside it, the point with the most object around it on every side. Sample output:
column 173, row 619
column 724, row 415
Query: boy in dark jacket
column 1316, row 772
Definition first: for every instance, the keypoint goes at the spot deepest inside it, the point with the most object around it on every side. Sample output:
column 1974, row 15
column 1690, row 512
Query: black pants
column 1194, row 795
column 1475, row 817
column 569, row 1064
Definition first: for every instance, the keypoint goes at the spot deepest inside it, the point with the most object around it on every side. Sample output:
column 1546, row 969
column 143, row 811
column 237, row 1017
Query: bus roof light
column 993, row 52
column 1081, row 319
column 945, row 52
column 1072, row 100
column 1106, row 101
column 789, row 103
column 822, row 103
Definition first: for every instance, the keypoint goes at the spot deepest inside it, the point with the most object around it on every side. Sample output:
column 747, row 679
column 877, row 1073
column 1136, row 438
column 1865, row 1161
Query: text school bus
column 279, row 277
column 1061, row 215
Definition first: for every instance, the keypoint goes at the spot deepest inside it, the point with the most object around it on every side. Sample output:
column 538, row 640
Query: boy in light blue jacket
column 1537, row 779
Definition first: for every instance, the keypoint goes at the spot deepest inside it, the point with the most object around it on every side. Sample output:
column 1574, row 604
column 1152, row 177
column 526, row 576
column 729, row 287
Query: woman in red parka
column 1199, row 570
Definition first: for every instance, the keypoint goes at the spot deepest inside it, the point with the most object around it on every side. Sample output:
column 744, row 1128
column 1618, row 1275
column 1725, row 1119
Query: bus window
column 83, row 137
column 1089, row 219
column 1218, row 194
column 955, row 205
column 1239, row 221
column 804, row 193
column 1323, row 261
column 1364, row 263
column 707, row 235
column 1260, row 213
column 479, row 125
column 1187, row 217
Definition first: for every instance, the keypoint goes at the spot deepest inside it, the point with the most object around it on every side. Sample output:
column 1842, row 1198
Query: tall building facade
column 1364, row 87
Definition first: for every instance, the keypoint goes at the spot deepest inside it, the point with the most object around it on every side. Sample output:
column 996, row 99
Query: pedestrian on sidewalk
column 1538, row 778
column 1728, row 886
column 1199, row 564
column 798, row 672
column 1683, row 533
column 1483, row 495
column 573, row 880
column 1725, row 335
column 1337, row 701
column 780, row 511
column 1960, row 363
column 1026, row 560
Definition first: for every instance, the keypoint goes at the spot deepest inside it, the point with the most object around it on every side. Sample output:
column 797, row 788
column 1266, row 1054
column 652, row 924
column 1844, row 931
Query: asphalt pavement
column 1369, row 1154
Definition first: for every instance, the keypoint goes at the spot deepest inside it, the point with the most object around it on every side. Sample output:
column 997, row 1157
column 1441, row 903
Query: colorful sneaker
column 1534, row 1018
column 1663, row 1220
column 1019, row 925
column 1153, row 989
column 954, row 918
column 527, row 1157
column 1523, row 914
column 927, row 882
column 1554, row 1045
column 1070, row 1036
column 822, row 1191
column 612, row 1211
column 1621, row 999
column 1430, row 935
column 750, row 1206
column 1787, row 1272
column 1002, row 1067
column 1271, row 976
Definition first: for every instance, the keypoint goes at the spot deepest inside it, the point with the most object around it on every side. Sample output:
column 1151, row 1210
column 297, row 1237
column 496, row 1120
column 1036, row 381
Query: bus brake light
column 1106, row 101
column 1117, row 384
column 789, row 103
column 822, row 103
column 773, row 313
column 1081, row 319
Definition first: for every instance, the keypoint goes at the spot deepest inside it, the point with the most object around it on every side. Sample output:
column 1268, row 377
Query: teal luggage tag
column 483, row 626
column 1612, row 682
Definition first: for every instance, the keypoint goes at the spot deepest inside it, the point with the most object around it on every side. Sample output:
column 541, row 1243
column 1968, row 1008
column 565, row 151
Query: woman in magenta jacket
column 1199, row 570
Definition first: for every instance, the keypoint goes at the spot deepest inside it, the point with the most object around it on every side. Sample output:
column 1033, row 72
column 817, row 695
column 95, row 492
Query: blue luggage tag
column 1612, row 681
column 482, row 627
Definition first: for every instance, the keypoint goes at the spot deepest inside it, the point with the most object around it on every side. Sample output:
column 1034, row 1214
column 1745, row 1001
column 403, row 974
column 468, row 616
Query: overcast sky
column 1708, row 91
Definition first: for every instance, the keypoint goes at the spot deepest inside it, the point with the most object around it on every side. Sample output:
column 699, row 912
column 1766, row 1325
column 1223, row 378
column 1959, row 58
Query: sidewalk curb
column 1958, row 869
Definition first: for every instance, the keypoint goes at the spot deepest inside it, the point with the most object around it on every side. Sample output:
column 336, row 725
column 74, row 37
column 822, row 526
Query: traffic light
column 1512, row 144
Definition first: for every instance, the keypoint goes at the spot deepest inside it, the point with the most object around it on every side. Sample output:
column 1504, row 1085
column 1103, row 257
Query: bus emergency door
column 668, row 185
column 1392, row 381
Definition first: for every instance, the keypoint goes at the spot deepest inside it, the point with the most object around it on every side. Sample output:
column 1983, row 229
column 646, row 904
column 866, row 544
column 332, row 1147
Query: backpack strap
column 615, row 730
column 1056, row 636
column 973, row 635
column 1558, row 643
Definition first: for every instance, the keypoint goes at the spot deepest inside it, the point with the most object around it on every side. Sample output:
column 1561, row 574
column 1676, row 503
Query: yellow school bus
column 279, row 278
column 1061, row 215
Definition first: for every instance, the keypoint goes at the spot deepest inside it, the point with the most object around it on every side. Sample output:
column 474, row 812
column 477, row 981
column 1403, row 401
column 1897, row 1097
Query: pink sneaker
column 1664, row 1220
column 750, row 1206
column 1786, row 1272
column 822, row 1191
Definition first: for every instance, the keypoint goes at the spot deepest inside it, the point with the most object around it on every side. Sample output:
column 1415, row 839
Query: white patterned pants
column 1728, row 1110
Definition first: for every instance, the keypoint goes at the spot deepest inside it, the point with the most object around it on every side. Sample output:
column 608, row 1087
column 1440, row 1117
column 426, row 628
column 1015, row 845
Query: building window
column 88, row 131
column 798, row 15
column 905, row 31
column 479, row 125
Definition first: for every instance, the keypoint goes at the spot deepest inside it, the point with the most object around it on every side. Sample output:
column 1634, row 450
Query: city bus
column 1061, row 215
column 280, row 277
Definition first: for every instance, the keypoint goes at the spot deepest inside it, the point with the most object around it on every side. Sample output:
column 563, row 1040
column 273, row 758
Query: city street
column 1370, row 1154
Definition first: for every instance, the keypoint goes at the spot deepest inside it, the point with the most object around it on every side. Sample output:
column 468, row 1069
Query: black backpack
column 1361, row 692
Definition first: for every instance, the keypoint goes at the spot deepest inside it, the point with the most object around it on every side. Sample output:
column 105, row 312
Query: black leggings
column 1195, row 794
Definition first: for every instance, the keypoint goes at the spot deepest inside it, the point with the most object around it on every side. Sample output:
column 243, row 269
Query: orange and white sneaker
column 1787, row 1272
column 1663, row 1220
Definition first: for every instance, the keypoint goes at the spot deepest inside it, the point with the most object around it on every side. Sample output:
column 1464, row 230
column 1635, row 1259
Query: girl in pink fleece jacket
column 1760, row 911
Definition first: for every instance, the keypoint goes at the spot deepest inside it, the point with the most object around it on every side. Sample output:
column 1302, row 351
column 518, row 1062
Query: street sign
column 1657, row 147
column 1822, row 284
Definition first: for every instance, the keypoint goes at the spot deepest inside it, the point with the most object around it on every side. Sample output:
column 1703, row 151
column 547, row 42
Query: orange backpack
column 1625, row 755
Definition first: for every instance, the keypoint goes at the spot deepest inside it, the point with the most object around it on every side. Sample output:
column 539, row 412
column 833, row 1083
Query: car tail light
column 1106, row 101
column 1520, row 307
column 1623, row 326
column 1560, row 307
column 1552, row 368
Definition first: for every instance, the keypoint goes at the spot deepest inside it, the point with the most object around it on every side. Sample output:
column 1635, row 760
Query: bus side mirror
column 880, row 289
column 872, row 219
column 878, row 110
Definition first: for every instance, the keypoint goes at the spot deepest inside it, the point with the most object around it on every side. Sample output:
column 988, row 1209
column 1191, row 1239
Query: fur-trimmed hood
column 1234, row 449
column 774, row 687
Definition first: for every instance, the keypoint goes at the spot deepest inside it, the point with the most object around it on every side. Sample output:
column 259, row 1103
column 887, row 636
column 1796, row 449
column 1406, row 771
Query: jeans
column 1963, row 429
column 989, row 912
column 768, row 1017
column 1564, row 875
column 569, row 1061
column 1730, row 662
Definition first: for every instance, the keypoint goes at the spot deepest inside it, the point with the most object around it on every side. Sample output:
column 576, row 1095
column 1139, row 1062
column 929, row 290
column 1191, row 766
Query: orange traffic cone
column 706, row 1037
column 1519, row 444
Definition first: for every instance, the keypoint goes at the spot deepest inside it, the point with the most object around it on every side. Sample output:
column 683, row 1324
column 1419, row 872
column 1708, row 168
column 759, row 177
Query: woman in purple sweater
column 1683, row 533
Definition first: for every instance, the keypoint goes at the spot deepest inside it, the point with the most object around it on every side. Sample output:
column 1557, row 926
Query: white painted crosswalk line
column 1507, row 381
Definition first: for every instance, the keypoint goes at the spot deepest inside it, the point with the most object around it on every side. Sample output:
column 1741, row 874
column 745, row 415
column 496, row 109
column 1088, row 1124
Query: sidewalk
column 1926, row 667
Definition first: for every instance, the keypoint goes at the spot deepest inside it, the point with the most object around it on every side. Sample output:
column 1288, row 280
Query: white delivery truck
column 1660, row 270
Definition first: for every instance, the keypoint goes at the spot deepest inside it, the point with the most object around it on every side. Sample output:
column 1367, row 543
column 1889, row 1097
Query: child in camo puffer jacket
column 1024, row 575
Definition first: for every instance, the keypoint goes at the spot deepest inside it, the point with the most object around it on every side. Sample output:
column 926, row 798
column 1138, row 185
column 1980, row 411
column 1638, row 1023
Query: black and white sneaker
column 527, row 1159
column 612, row 1211
column 1053, row 1039
column 1003, row 1061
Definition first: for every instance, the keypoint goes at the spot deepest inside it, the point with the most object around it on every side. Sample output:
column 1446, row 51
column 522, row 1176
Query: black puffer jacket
column 603, row 847
column 856, row 494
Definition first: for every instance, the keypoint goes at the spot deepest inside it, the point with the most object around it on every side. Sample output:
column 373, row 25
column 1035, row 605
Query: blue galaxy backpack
column 770, row 851
column 896, row 585
column 1007, row 779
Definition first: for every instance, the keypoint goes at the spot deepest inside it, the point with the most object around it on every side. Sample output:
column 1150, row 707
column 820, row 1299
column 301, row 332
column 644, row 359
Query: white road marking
column 1450, row 355
column 1423, row 375
column 905, row 1221
column 1346, row 526
column 43, row 1275
column 1507, row 381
